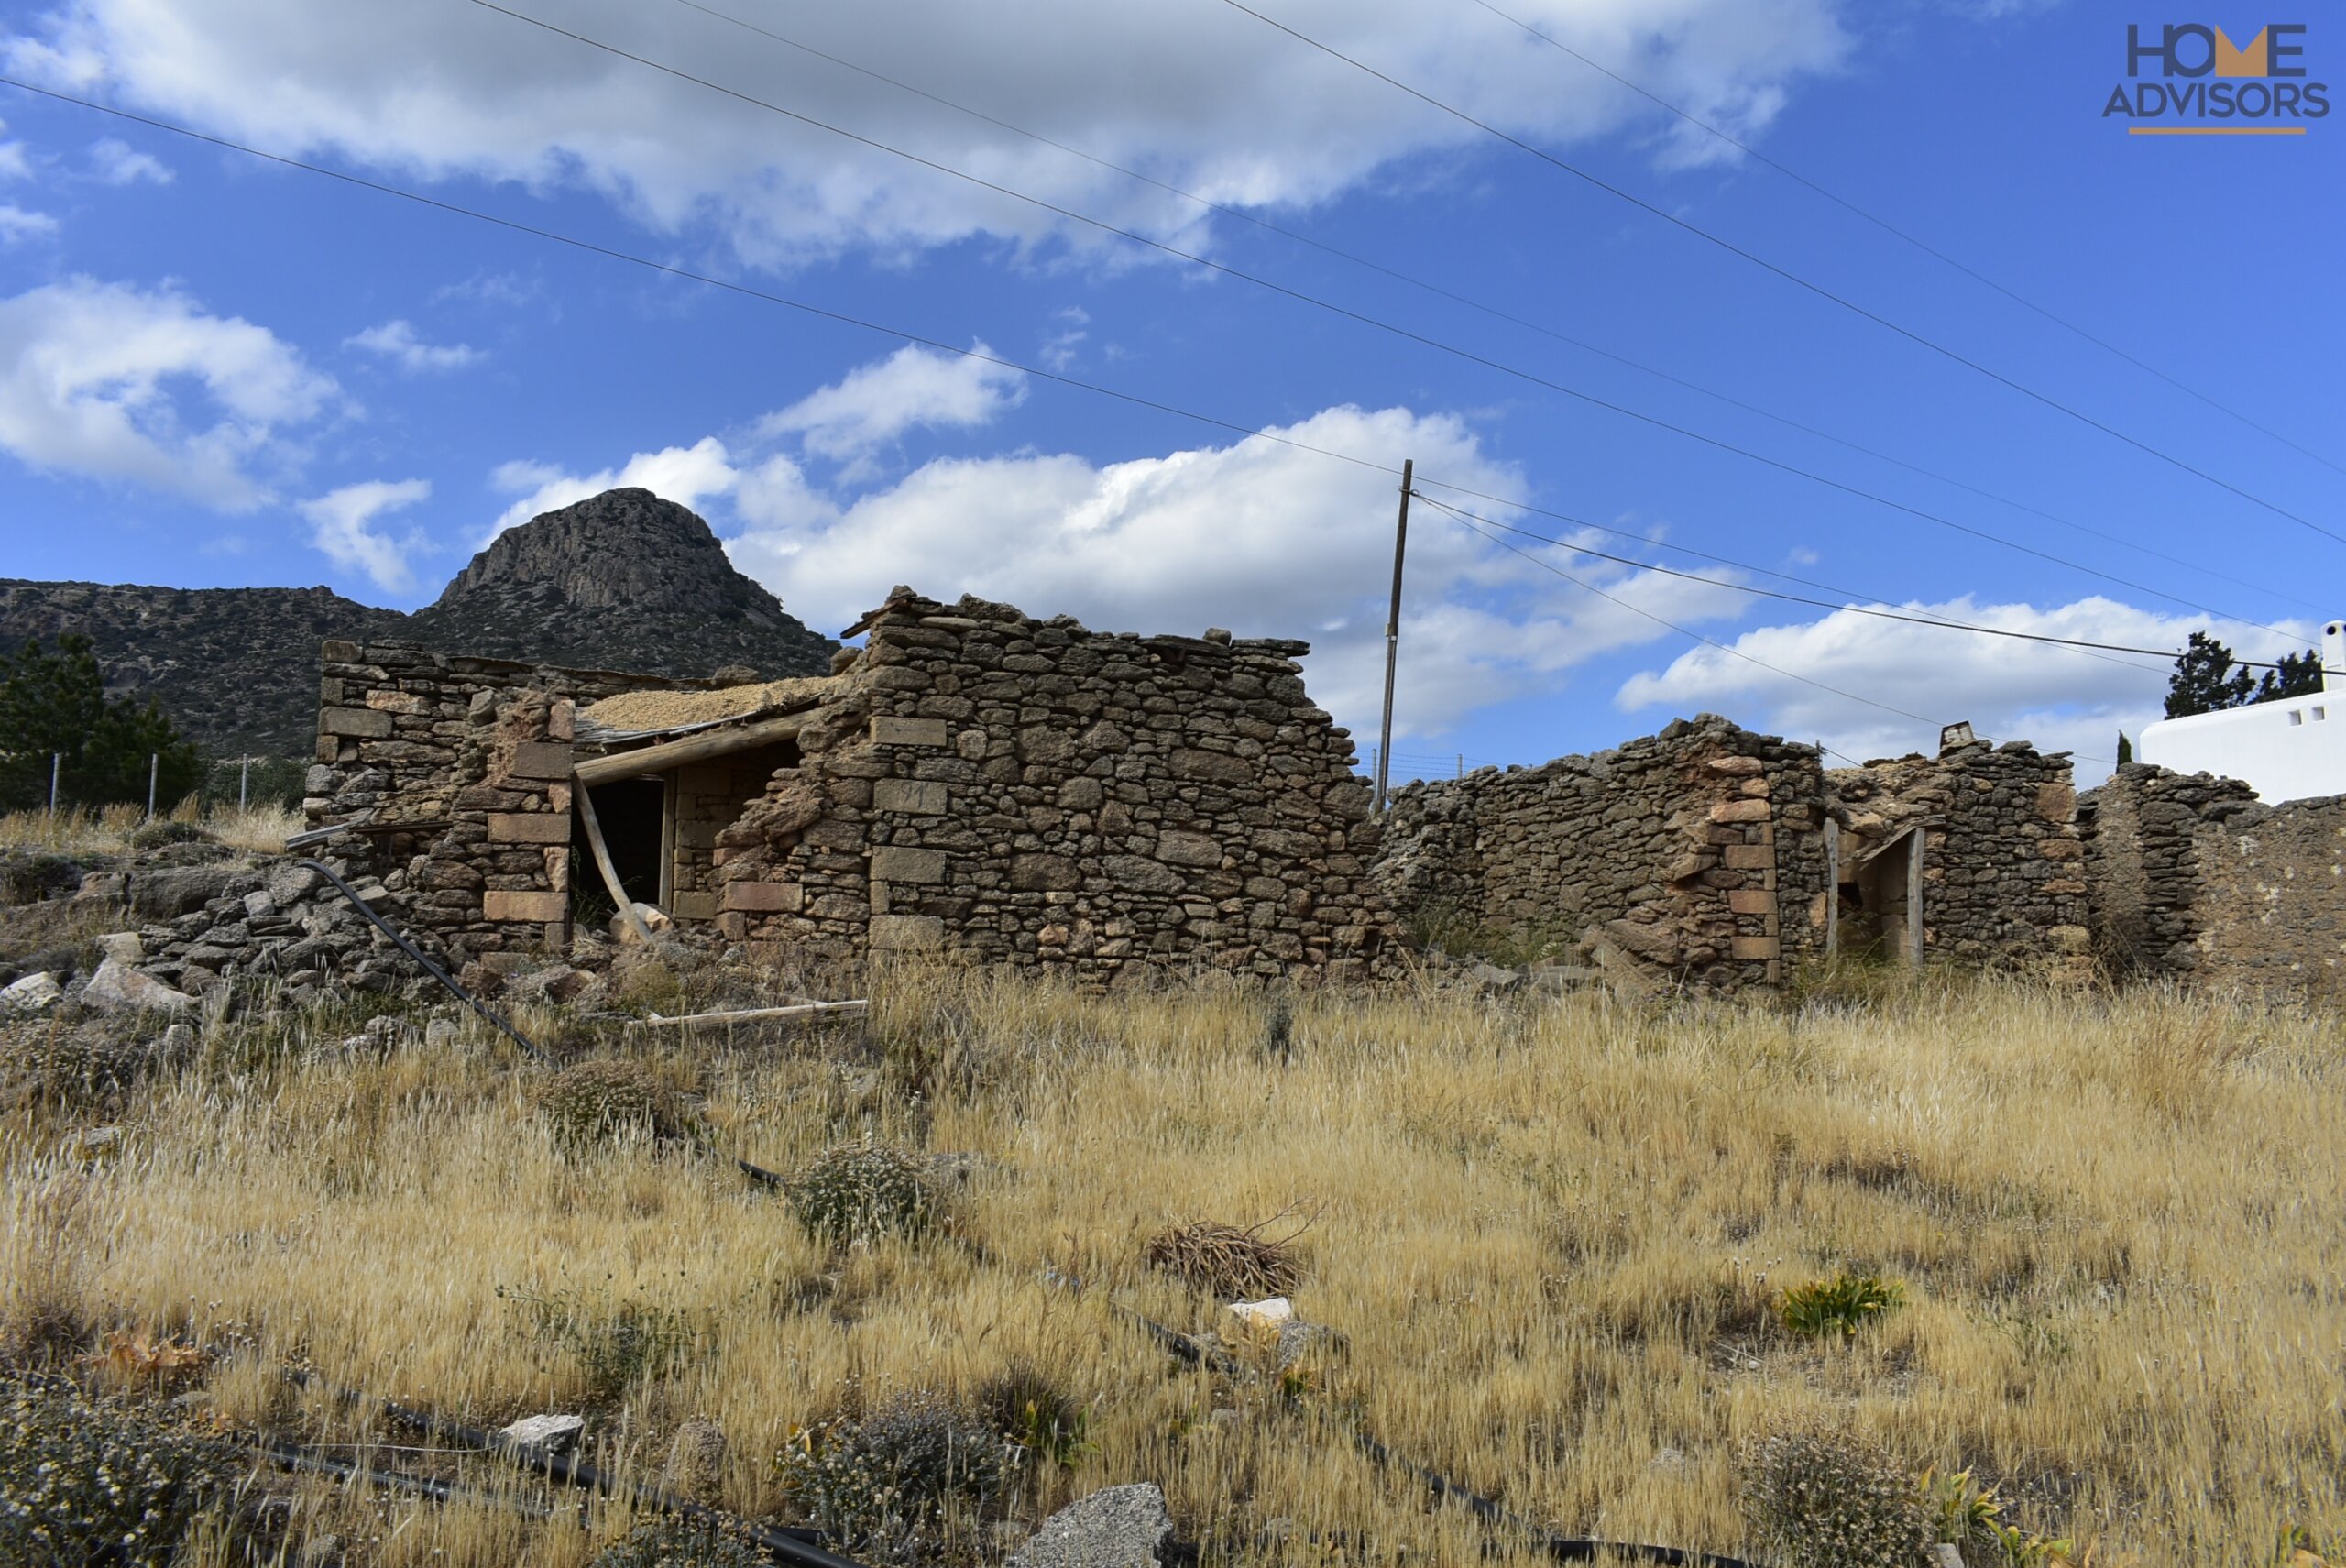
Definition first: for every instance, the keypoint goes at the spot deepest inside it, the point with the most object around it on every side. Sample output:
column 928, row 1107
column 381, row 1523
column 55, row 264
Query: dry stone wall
column 2194, row 878
column 1693, row 855
column 1031, row 793
column 2004, row 852
column 477, row 752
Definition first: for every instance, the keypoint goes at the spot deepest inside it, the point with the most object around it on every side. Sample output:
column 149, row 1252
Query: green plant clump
column 617, row 1344
column 1036, row 1416
column 902, row 1485
column 862, row 1191
column 679, row 1543
column 1841, row 1305
column 1821, row 1498
column 95, row 1483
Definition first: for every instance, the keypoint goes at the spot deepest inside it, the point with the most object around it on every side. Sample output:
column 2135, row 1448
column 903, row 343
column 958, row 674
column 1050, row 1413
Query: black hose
column 569, row 1472
column 435, row 970
column 293, row 1456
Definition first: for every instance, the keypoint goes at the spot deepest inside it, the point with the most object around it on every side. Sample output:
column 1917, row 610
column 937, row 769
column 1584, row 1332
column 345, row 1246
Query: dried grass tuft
column 1226, row 1262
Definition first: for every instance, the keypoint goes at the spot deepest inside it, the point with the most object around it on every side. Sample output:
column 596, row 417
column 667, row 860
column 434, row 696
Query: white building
column 2293, row 749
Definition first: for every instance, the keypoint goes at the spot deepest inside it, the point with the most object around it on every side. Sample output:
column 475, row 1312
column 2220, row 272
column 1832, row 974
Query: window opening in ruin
column 1877, row 902
column 632, row 814
column 2295, row 718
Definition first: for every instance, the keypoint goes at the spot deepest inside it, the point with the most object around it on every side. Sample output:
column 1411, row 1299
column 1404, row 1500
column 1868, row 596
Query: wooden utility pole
column 1393, row 634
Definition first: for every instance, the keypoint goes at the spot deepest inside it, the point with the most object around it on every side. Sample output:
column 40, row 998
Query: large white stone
column 34, row 994
column 118, row 988
column 1119, row 1526
column 547, row 1434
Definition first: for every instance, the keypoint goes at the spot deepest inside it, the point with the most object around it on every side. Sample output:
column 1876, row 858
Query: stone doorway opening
column 1878, row 902
column 633, row 816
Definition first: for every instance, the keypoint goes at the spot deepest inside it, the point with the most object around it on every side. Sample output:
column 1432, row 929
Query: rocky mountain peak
column 623, row 549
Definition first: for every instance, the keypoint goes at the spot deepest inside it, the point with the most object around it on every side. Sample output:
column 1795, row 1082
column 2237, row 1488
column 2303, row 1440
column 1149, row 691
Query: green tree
column 2207, row 680
column 55, row 704
column 2126, row 748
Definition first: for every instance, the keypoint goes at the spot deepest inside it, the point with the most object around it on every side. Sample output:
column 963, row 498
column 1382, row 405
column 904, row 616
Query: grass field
column 1555, row 1233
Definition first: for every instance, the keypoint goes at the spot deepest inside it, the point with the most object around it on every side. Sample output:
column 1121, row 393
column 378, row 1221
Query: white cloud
column 341, row 525
column 1058, row 349
column 119, row 163
column 914, row 388
column 2063, row 699
column 15, row 163
column 395, row 341
column 17, row 225
column 685, row 474
column 1261, row 538
column 1206, row 99
column 117, row 383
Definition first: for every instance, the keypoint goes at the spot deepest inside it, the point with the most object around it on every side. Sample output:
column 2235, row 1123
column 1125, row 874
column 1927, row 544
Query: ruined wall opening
column 1879, row 899
column 632, row 814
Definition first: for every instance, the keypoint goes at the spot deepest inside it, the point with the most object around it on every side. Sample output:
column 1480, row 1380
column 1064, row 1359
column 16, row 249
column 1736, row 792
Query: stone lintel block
column 528, row 827
column 890, row 730
column 1751, row 857
column 1736, row 767
column 917, row 797
column 540, row 759
column 906, row 933
column 1751, row 900
column 499, row 904
column 897, row 864
column 693, row 906
column 1755, row 949
column 364, row 723
column 1740, row 811
column 397, row 702
column 765, row 897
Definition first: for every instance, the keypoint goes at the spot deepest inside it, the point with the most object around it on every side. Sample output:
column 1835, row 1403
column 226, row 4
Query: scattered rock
column 654, row 918
column 1946, row 1556
column 1301, row 1341
column 34, row 994
column 553, row 983
column 1496, row 980
column 696, row 1468
column 1119, row 1526
column 545, row 1434
column 440, row 1032
column 124, row 946
column 118, row 988
column 87, row 1146
column 1266, row 1316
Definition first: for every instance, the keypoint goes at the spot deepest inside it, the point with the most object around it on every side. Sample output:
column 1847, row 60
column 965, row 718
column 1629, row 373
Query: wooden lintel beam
column 692, row 749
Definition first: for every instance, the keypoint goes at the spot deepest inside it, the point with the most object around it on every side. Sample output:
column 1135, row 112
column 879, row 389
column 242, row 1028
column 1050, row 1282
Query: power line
column 769, row 297
column 1888, row 227
column 1709, row 643
column 1495, row 312
column 1942, row 622
column 1347, row 313
column 1788, row 275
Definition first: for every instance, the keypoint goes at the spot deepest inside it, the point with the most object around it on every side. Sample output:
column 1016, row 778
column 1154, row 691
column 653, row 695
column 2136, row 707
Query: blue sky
column 215, row 371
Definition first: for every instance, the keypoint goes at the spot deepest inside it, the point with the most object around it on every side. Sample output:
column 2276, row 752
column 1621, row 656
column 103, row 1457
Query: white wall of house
column 2290, row 749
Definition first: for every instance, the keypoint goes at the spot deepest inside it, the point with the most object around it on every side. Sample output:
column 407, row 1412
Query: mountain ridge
column 623, row 580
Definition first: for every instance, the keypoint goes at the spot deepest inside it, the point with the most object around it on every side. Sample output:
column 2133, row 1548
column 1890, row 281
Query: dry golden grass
column 1553, row 1231
column 261, row 830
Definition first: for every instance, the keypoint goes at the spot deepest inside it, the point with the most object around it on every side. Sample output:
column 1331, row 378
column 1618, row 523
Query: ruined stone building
column 973, row 780
column 1707, row 854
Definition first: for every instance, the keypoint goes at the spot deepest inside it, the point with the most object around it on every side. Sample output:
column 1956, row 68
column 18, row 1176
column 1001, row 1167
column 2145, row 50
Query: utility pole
column 154, row 768
column 56, row 761
column 1393, row 634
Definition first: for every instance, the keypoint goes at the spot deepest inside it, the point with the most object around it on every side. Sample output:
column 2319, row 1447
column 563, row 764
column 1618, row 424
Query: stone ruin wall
column 1031, row 792
column 480, row 749
column 2004, row 873
column 2194, row 878
column 1693, row 855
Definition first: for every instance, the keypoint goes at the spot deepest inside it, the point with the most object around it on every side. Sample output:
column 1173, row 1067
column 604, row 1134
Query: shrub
column 617, row 1344
column 164, row 832
column 860, row 1192
column 598, row 1101
column 679, row 1543
column 899, row 1485
column 1225, row 1261
column 1841, row 1305
column 1036, row 1415
column 96, row 1483
column 1821, row 1498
